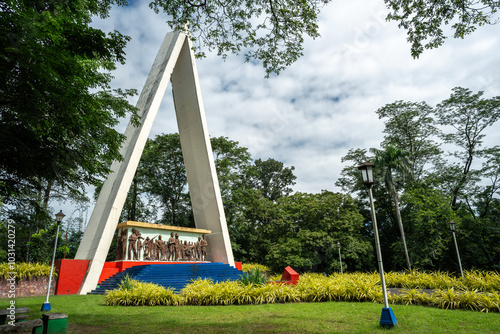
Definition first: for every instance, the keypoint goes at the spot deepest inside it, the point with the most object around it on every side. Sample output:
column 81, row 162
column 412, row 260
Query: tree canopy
column 269, row 31
column 57, row 111
column 273, row 31
column 424, row 20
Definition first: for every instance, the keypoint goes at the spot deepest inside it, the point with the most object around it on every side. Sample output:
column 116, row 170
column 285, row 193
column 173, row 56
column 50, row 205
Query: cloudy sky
column 315, row 111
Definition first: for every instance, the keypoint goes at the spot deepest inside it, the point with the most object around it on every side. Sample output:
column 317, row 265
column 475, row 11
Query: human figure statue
column 178, row 247
column 189, row 251
column 159, row 248
column 184, row 250
column 204, row 245
column 171, row 247
column 198, row 249
column 164, row 251
column 152, row 249
column 121, row 247
column 132, row 250
column 146, row 248
column 193, row 251
column 139, row 245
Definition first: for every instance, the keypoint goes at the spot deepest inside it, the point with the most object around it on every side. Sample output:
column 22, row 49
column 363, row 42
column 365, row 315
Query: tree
column 231, row 162
column 480, row 226
column 42, row 245
column 480, row 238
column 469, row 115
column 411, row 126
column 393, row 160
column 427, row 213
column 423, row 19
column 270, row 31
column 272, row 178
column 463, row 187
column 490, row 170
column 164, row 179
column 57, row 111
column 161, row 178
column 307, row 230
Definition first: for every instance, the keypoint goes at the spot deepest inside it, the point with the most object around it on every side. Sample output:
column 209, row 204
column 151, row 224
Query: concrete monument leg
column 175, row 61
column 198, row 157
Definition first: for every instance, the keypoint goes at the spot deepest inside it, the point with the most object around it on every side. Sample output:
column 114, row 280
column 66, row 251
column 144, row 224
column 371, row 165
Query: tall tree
column 427, row 213
column 394, row 160
column 272, row 178
column 469, row 115
column 165, row 180
column 161, row 178
column 231, row 162
column 306, row 231
column 411, row 126
column 57, row 111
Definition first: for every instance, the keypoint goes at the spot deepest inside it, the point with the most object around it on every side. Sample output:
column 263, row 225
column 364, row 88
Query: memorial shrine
column 138, row 241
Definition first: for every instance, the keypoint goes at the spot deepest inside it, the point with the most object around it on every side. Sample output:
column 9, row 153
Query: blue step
column 173, row 276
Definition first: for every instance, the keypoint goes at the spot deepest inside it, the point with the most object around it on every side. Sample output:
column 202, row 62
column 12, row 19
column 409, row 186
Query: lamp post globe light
column 340, row 259
column 59, row 217
column 453, row 229
column 387, row 318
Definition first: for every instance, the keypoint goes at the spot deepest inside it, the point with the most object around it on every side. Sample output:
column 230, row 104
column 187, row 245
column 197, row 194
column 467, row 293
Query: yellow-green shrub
column 422, row 280
column 412, row 297
column 347, row 287
column 486, row 281
column 204, row 292
column 248, row 267
column 274, row 293
column 25, row 270
column 451, row 299
column 142, row 294
column 319, row 288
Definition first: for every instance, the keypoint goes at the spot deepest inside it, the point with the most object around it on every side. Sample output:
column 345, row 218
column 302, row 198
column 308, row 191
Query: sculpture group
column 156, row 249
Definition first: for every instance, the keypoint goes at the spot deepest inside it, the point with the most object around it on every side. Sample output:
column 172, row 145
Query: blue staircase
column 173, row 276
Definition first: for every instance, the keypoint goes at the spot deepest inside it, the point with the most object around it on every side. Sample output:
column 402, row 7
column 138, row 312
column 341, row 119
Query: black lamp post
column 387, row 318
column 59, row 218
column 340, row 259
column 453, row 229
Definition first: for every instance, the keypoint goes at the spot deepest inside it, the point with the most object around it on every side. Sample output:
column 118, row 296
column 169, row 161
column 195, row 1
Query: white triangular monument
column 175, row 62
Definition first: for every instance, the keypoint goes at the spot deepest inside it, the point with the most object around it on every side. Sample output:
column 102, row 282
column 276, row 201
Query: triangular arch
column 174, row 62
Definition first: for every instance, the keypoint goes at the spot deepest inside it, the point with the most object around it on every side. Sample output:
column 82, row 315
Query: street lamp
column 59, row 218
column 340, row 258
column 453, row 229
column 366, row 169
column 387, row 318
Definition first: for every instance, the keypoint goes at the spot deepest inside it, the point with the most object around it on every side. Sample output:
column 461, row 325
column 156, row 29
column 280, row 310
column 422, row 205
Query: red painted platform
column 71, row 272
column 70, row 275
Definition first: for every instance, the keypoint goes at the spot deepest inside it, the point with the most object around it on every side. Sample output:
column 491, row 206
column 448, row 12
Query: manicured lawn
column 87, row 314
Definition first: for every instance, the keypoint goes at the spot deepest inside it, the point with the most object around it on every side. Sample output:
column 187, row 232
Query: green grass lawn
column 87, row 314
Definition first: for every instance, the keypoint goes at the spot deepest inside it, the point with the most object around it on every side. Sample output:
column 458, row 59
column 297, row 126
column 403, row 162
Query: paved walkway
column 399, row 291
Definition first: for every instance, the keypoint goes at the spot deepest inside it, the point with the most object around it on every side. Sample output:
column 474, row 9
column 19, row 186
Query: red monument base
column 71, row 272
